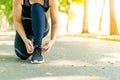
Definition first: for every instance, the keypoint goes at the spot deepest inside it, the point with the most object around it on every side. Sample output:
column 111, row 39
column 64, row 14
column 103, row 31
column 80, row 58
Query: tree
column 101, row 16
column 68, row 13
column 6, row 9
column 85, row 19
column 113, row 23
column 64, row 6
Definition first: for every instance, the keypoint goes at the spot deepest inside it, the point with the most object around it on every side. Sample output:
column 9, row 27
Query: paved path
column 71, row 58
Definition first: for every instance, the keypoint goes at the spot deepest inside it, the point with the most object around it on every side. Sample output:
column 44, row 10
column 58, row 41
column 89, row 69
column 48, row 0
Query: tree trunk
column 101, row 16
column 68, row 9
column 85, row 19
column 113, row 23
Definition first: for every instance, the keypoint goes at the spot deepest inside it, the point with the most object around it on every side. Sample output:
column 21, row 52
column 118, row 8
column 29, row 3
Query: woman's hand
column 29, row 46
column 47, row 46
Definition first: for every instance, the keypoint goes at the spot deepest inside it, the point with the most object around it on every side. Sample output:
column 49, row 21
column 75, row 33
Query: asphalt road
column 71, row 58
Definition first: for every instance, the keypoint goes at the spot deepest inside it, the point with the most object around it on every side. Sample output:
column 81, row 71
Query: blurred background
column 74, row 56
column 76, row 16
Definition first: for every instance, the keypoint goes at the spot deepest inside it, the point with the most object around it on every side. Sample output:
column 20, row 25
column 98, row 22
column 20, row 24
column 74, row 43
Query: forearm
column 54, row 31
column 19, row 28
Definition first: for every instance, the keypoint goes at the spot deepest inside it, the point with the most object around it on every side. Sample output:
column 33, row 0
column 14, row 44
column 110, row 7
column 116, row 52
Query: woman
column 31, row 27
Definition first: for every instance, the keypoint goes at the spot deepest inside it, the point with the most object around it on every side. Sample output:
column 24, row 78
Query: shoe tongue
column 38, row 49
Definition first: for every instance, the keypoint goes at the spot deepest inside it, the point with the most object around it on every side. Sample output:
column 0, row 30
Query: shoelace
column 38, row 50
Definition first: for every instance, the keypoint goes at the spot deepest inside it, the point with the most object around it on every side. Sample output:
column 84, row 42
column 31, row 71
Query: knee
column 36, row 5
column 37, row 9
column 20, row 54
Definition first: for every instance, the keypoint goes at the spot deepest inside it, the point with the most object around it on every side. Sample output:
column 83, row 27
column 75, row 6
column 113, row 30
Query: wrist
column 52, row 41
column 25, row 40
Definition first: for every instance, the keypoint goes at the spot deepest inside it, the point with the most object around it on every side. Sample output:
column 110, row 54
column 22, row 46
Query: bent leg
column 20, row 48
column 39, row 31
column 38, row 23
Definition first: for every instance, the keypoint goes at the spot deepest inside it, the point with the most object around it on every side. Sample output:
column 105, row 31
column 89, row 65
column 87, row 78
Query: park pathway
column 71, row 58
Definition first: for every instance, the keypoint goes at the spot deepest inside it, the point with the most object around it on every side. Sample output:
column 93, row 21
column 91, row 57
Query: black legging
column 35, row 30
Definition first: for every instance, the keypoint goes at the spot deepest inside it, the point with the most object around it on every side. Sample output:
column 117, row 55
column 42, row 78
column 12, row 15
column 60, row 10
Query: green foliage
column 78, row 1
column 6, row 9
column 64, row 4
column 71, row 15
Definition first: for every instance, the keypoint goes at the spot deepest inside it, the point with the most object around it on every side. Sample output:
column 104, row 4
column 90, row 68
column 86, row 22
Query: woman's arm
column 54, row 18
column 17, row 13
column 54, row 25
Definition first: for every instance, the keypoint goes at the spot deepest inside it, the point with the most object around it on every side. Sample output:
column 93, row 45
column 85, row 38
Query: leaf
column 38, row 65
column 96, row 62
column 63, row 65
column 110, row 62
column 84, row 65
column 103, row 68
column 72, row 65
column 103, row 54
column 91, row 75
column 78, row 1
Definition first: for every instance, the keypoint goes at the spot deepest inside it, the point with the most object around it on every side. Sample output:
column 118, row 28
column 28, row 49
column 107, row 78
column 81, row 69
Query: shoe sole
column 37, row 62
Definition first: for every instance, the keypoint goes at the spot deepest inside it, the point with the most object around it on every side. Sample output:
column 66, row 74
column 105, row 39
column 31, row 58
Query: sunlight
column 68, row 78
column 116, row 55
column 62, row 24
column 111, row 58
column 6, row 42
column 94, row 12
column 75, row 25
column 7, row 33
column 71, row 63
column 5, row 54
column 73, row 38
